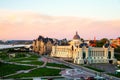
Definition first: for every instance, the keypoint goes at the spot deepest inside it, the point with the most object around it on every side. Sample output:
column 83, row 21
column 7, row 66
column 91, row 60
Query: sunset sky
column 27, row 19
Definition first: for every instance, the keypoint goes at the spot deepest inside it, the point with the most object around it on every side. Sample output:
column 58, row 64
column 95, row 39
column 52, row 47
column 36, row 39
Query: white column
column 106, row 52
column 91, row 54
column 86, row 53
column 112, row 53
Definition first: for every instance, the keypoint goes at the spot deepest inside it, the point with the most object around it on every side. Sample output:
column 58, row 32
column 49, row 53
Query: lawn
column 4, row 55
column 6, row 69
column 32, row 62
column 116, row 75
column 29, row 57
column 38, row 72
column 22, row 59
column 40, row 63
column 57, row 65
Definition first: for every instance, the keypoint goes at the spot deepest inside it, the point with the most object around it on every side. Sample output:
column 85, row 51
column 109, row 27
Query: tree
column 101, row 42
column 104, row 40
column 117, row 49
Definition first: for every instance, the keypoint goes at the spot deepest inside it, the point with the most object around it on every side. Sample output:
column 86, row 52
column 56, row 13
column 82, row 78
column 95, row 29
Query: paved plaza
column 76, row 74
column 108, row 68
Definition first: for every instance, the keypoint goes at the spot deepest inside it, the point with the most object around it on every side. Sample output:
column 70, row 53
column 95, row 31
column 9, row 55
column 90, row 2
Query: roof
column 40, row 37
column 83, row 44
column 45, row 40
column 76, row 36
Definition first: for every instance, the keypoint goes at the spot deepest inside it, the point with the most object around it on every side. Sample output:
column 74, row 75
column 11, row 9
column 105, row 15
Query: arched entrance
column 109, row 57
column 110, row 61
column 84, row 58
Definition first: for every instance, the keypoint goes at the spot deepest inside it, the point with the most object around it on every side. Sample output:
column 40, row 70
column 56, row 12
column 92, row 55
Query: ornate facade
column 42, row 45
column 81, row 53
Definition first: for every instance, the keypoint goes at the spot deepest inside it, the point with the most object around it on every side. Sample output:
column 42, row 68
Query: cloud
column 28, row 25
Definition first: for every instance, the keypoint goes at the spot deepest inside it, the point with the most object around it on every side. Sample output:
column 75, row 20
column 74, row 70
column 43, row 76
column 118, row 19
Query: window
column 72, row 48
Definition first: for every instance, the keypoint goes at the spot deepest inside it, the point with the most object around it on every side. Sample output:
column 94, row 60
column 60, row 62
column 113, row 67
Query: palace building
column 81, row 53
column 43, row 45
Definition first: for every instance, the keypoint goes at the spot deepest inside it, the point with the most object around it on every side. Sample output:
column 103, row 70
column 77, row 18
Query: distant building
column 92, row 42
column 43, row 45
column 81, row 53
column 11, row 55
column 115, row 42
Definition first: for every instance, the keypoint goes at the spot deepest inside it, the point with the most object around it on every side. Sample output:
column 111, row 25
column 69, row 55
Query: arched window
column 109, row 54
column 72, row 48
column 84, row 55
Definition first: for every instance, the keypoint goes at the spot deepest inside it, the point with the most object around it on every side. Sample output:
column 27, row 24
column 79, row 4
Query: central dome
column 76, row 36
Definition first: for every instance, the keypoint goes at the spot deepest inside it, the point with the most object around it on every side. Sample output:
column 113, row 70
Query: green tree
column 104, row 40
column 101, row 42
column 117, row 49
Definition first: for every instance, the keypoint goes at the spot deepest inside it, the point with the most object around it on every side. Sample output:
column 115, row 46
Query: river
column 10, row 46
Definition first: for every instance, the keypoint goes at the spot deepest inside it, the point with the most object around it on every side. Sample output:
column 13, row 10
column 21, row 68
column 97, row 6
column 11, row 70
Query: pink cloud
column 24, row 25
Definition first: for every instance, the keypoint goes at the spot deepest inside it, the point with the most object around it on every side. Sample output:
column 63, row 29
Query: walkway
column 108, row 68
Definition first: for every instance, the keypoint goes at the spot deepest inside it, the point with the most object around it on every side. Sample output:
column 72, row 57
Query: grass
column 99, row 70
column 6, row 69
column 31, row 57
column 34, row 56
column 57, row 65
column 38, row 72
column 116, row 75
column 22, row 59
column 32, row 62
column 4, row 55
